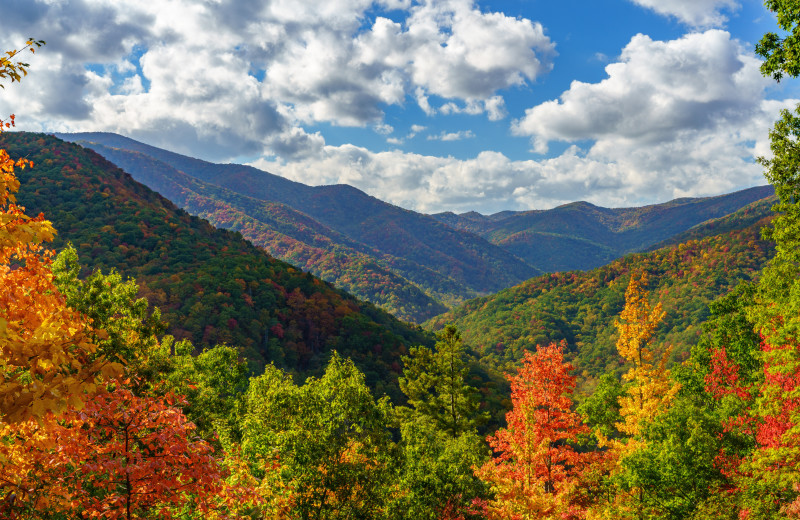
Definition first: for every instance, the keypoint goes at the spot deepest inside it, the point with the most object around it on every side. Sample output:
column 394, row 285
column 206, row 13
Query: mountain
column 584, row 236
column 285, row 233
column 580, row 307
column 407, row 262
column 415, row 266
column 742, row 218
column 211, row 285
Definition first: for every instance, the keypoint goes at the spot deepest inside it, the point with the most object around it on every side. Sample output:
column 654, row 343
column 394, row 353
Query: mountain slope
column 211, row 284
column 583, row 236
column 447, row 264
column 581, row 307
column 287, row 234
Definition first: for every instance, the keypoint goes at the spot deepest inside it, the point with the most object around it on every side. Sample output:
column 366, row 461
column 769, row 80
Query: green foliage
column 435, row 382
column 580, row 307
column 781, row 53
column 435, row 477
column 328, row 439
column 779, row 290
column 214, row 383
column 112, row 304
column 601, row 409
column 675, row 467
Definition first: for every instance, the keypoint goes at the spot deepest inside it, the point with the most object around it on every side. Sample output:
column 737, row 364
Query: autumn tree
column 47, row 357
column 649, row 387
column 122, row 457
column 536, row 471
column 648, row 392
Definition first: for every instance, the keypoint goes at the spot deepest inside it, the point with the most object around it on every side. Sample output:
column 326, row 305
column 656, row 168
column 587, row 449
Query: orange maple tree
column 537, row 470
column 46, row 356
column 120, row 457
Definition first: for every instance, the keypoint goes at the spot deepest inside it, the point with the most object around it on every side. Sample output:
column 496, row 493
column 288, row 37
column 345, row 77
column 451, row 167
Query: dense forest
column 630, row 391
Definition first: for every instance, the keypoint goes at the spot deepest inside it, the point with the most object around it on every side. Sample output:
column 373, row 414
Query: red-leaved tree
column 123, row 457
column 536, row 472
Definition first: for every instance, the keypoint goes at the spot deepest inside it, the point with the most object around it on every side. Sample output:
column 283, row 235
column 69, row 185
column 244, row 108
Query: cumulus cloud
column 679, row 116
column 270, row 69
column 656, row 88
column 674, row 118
column 697, row 13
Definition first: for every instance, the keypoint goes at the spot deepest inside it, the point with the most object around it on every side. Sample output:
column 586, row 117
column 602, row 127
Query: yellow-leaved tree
column 648, row 393
column 47, row 360
column 650, row 390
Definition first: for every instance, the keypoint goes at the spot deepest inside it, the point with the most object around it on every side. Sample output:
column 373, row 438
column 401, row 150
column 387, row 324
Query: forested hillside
column 403, row 252
column 211, row 285
column 580, row 307
column 290, row 235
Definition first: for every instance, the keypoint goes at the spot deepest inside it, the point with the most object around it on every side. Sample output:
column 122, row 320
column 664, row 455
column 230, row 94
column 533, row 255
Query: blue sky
column 446, row 105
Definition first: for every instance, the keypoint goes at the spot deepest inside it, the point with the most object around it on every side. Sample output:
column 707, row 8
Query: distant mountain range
column 582, row 236
column 413, row 265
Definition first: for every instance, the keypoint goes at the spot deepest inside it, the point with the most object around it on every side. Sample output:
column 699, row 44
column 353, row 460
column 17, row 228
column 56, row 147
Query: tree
column 435, row 382
column 435, row 477
column 120, row 457
column 214, row 383
column 47, row 358
column 536, row 472
column 130, row 328
column 328, row 439
column 648, row 394
column 650, row 389
column 781, row 54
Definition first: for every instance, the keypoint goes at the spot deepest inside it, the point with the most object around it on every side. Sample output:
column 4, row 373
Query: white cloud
column 463, row 53
column 697, row 13
column 658, row 95
column 494, row 107
column 384, row 129
column 270, row 68
column 677, row 118
column 452, row 136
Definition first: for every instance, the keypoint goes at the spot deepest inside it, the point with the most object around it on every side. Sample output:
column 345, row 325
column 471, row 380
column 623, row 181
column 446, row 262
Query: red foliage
column 536, row 466
column 125, row 456
column 723, row 379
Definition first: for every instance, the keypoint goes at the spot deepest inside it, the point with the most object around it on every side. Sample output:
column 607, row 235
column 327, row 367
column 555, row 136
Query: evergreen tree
column 435, row 382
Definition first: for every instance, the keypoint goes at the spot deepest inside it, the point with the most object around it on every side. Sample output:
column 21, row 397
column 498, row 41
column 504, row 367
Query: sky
column 432, row 105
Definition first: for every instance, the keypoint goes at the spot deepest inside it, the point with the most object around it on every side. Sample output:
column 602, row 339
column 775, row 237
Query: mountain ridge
column 414, row 265
column 448, row 265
